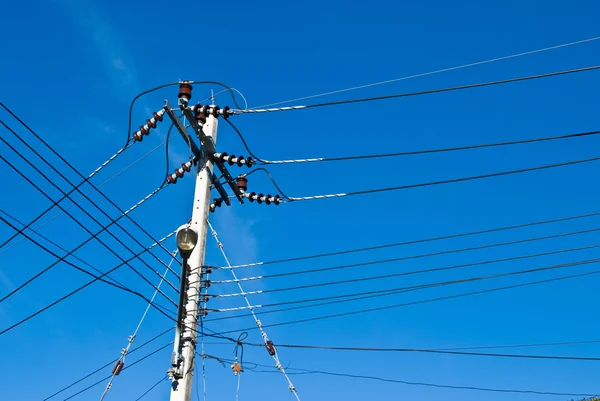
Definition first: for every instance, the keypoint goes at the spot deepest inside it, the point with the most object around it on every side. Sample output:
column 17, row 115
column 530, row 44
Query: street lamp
column 186, row 241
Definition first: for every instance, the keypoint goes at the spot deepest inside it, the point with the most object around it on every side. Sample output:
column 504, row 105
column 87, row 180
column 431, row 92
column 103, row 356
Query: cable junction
column 267, row 342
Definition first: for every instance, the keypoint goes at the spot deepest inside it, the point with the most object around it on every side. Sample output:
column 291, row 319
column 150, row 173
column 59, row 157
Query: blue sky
column 71, row 68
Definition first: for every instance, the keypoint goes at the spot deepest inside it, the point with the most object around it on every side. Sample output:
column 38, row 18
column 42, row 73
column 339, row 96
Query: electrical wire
column 76, row 221
column 151, row 388
column 392, row 291
column 125, row 368
column 36, row 230
column 57, row 246
column 99, row 278
column 75, row 187
column 14, row 325
column 459, row 67
column 420, row 241
column 432, row 351
column 439, row 150
column 369, row 310
column 299, row 371
column 439, row 253
column 425, row 92
column 132, row 337
column 443, row 182
column 259, row 324
column 112, row 362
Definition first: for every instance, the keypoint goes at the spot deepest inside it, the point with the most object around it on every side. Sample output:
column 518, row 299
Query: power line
column 4, row 249
column 439, row 253
column 76, row 187
column 125, row 368
column 420, row 241
column 426, row 92
column 443, row 182
column 432, row 351
column 152, row 388
column 107, row 365
column 392, row 291
column 439, row 150
column 299, row 371
column 352, row 313
column 433, row 72
column 3, row 331
column 162, row 309
column 94, row 236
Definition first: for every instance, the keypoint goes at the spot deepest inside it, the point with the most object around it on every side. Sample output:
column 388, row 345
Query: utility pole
column 183, row 372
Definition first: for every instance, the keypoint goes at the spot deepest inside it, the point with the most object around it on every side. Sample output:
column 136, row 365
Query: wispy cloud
column 108, row 44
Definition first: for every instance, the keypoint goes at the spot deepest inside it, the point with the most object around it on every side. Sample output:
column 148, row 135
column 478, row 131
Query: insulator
column 259, row 198
column 186, row 166
column 171, row 178
column 215, row 111
column 205, row 110
column 204, row 312
column 206, row 298
column 250, row 161
column 206, row 283
column 198, row 113
column 230, row 160
column 218, row 202
column 179, row 172
column 151, row 123
column 251, row 196
column 242, row 183
column 225, row 112
column 240, row 161
column 118, row 367
column 270, row 347
column 185, row 90
column 212, row 208
column 158, row 116
column 144, row 130
column 268, row 199
column 277, row 200
column 222, row 156
column 138, row 137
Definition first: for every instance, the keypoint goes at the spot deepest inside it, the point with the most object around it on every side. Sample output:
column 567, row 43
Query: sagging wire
column 120, row 363
column 238, row 364
column 268, row 343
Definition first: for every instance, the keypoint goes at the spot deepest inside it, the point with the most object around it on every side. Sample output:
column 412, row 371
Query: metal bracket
column 209, row 147
column 198, row 153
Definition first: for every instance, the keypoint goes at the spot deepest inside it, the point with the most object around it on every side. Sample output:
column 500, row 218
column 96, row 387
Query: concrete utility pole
column 184, row 371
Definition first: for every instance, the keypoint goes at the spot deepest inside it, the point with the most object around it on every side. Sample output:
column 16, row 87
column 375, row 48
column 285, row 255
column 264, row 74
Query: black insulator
column 222, row 156
column 230, row 160
column 268, row 200
column 215, row 111
column 259, row 198
column 240, row 161
column 251, row 196
column 250, row 161
column 277, row 200
column 226, row 112
column 205, row 110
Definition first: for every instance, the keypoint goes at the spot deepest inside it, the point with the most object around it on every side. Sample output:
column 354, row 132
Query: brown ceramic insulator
column 118, row 368
column 171, row 179
column 157, row 116
column 242, row 183
column 150, row 123
column 144, row 130
column 185, row 90
column 179, row 172
column 137, row 136
column 270, row 347
column 186, row 167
